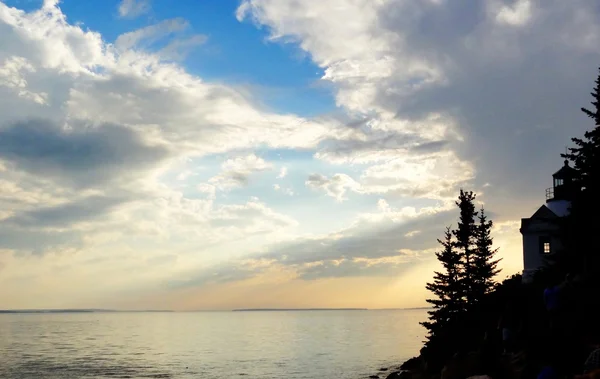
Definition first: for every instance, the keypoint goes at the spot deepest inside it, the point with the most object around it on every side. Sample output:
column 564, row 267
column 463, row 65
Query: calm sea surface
column 305, row 344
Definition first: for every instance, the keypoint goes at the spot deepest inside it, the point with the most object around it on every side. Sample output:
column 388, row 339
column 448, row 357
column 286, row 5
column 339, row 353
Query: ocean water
column 211, row 345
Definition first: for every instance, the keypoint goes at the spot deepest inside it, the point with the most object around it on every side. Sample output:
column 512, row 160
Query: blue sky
column 272, row 153
column 280, row 76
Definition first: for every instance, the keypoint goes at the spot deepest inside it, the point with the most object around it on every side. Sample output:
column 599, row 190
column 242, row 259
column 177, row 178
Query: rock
column 411, row 364
column 383, row 369
column 402, row 375
column 462, row 366
column 374, row 376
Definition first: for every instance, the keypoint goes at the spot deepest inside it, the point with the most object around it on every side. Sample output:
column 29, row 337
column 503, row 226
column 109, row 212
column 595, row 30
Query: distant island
column 297, row 309
column 21, row 311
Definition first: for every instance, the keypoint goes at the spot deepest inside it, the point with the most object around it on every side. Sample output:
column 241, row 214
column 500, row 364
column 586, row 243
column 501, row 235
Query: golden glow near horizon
column 132, row 179
column 278, row 287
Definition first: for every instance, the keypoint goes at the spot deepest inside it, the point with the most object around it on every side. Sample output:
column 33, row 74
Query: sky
column 206, row 154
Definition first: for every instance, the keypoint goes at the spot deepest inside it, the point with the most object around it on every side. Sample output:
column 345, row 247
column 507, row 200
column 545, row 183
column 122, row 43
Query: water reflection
column 212, row 345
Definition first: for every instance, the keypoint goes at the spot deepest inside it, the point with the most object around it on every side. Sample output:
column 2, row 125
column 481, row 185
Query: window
column 558, row 182
column 545, row 246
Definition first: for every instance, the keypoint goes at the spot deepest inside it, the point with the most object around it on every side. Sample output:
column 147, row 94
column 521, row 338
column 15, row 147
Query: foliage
column 586, row 154
column 460, row 290
column 485, row 267
column 486, row 306
column 582, row 224
column 465, row 235
column 446, row 287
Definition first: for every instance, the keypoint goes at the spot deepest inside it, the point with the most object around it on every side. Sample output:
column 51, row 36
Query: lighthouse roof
column 565, row 171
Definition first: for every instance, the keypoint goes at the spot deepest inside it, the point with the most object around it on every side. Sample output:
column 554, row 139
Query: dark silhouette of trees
column 447, row 289
column 485, row 266
column 465, row 235
column 469, row 267
column 582, row 224
column 469, row 306
column 586, row 156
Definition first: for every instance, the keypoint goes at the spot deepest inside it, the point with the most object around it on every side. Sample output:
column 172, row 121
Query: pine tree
column 446, row 288
column 465, row 242
column 485, row 266
column 586, row 156
column 461, row 289
column 583, row 222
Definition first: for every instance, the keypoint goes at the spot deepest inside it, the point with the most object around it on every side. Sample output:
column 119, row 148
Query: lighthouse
column 540, row 231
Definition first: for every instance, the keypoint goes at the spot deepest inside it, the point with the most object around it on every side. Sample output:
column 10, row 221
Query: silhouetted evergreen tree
column 583, row 222
column 586, row 156
column 484, row 262
column 447, row 289
column 461, row 304
column 465, row 243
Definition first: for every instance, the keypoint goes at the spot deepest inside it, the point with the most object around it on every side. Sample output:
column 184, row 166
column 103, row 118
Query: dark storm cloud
column 430, row 147
column 28, row 241
column 317, row 180
column 64, row 215
column 387, row 142
column 514, row 90
column 81, row 157
column 106, row 157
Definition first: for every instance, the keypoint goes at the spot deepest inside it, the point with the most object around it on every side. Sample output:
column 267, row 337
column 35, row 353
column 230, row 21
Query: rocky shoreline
column 461, row 367
column 409, row 369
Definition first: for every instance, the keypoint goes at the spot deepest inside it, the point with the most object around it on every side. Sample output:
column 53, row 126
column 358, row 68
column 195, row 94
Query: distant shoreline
column 297, row 309
column 30, row 311
column 58, row 311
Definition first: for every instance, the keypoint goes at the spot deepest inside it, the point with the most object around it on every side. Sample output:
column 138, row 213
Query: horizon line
column 102, row 310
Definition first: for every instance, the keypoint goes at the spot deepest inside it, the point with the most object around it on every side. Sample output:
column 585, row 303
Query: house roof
column 543, row 216
column 544, row 213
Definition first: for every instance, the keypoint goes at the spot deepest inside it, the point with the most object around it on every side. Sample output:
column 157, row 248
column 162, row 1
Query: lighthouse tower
column 539, row 232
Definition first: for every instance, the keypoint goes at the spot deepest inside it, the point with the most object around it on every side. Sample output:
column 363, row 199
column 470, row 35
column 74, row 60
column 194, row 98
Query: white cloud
column 90, row 173
column 364, row 58
column 12, row 76
column 282, row 173
column 208, row 189
column 265, row 220
column 133, row 8
column 518, row 14
column 236, row 172
column 336, row 186
column 412, row 233
column 168, row 39
column 179, row 48
column 381, row 243
column 399, row 66
column 383, row 205
column 433, row 176
column 50, row 4
column 150, row 34
column 434, row 95
column 288, row 191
